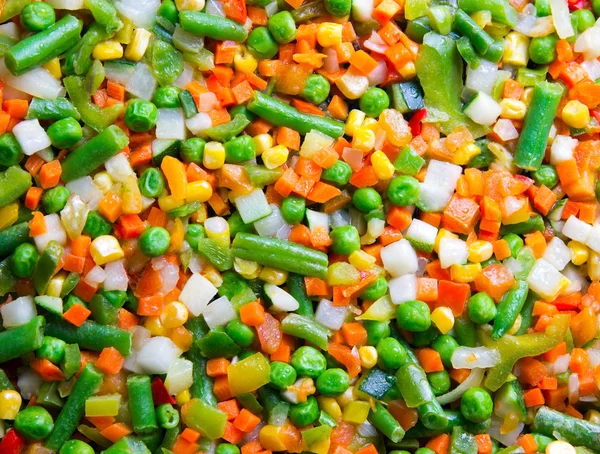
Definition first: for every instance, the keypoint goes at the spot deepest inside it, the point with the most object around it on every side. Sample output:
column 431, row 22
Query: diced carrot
column 567, row 171
column 323, row 192
column 584, row 326
column 537, row 243
column 221, row 388
column 127, row 319
column 16, row 108
column 288, row 138
column 369, row 449
column 101, row 422
column 37, row 225
column 150, row 305
column 533, row 397
column 115, row 90
column 252, row 314
column 460, row 215
column 110, row 206
column 495, row 280
column 73, row 263
column 316, row 286
column 459, row 375
column 242, row 92
column 544, row 200
column 501, row 249
column 232, row 434
column 533, row 371
column 80, row 246
column 364, row 177
column 439, row 444
column 32, row 198
column 141, row 156
column 110, row 360
column 580, row 362
column 246, row 421
column 427, row 289
column 230, row 407
column 50, row 174
column 157, row 218
column 46, row 370
column 217, row 366
column 116, row 431
column 484, row 444
column 354, row 334
column 430, row 360
column 588, row 211
column 257, row 15
column 453, row 295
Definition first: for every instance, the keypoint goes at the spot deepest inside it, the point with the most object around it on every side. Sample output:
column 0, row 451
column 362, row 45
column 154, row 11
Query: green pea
column 243, row 110
column 376, row 330
column 240, row 333
column 585, row 19
column 55, row 199
column 141, row 115
column 374, row 101
column 413, row 316
column 376, row 290
column 476, row 405
column 515, row 243
column 366, row 199
column 37, row 16
column 168, row 10
column 76, row 447
column 240, row 149
column 10, row 150
column 424, row 338
column 227, row 448
column 154, row 241
column 237, row 225
column 282, row 374
column 316, row 89
column 193, row 234
column 345, row 240
column 333, row 382
column 445, row 346
column 439, row 381
column 425, row 451
column 543, row 50
column 546, row 175
column 308, row 362
column 481, row 308
column 390, row 353
column 192, row 150
column 404, row 191
column 282, row 27
column 261, row 43
column 52, row 349
column 166, row 97
column 338, row 174
column 305, row 413
column 65, row 133
column 338, row 8
column 34, row 423
column 542, row 8
column 167, row 416
column 293, row 209
column 24, row 259
column 151, row 183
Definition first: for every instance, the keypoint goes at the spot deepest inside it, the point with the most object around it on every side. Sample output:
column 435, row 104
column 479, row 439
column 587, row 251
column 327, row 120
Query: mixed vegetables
column 306, row 226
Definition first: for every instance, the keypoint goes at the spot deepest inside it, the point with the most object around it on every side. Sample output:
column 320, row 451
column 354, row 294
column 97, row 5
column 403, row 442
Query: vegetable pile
column 305, row 226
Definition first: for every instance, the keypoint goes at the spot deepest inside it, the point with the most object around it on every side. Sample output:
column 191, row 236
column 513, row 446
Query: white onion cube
column 157, row 354
column 170, row 124
column 18, row 312
column 453, row 251
column 399, row 258
column 562, row 149
column 179, row 376
column 403, row 288
column 218, row 313
column 593, row 239
column 197, row 293
column 576, row 229
column 31, row 136
column 198, row 123
column 557, row 253
column 546, row 281
column 54, row 231
column 331, row 316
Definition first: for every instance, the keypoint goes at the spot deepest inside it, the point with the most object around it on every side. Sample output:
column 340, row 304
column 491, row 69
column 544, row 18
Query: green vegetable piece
column 140, row 115
column 316, row 89
column 96, row 225
column 71, row 362
column 501, row 10
column 476, row 405
column 462, row 442
column 22, row 340
column 282, row 27
column 338, row 174
column 542, row 50
column 509, row 308
column 24, row 260
column 34, row 423
column 414, row 316
column 227, row 131
column 46, row 266
column 10, row 150
column 217, row 343
column 154, row 241
column 166, row 97
column 207, row 420
column 151, row 183
column 374, row 101
column 338, row 8
column 217, row 252
column 578, row 432
column 91, row 335
column 141, row 405
column 383, row 420
column 14, row 182
column 333, row 382
column 240, row 149
column 306, row 328
column 215, row 27
column 104, row 14
column 166, row 62
column 377, row 383
column 481, row 308
column 404, row 190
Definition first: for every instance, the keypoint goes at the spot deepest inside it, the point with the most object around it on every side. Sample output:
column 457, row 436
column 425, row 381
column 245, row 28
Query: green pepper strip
column 578, row 432
column 12, row 236
column 501, row 10
column 527, row 313
column 509, row 308
column 91, row 335
column 104, row 14
column 5, row 382
column 214, row 27
column 217, row 252
column 87, row 158
column 281, row 114
column 297, row 289
column 12, row 8
column 513, row 348
column 46, row 266
column 86, row 386
column 202, row 386
column 51, row 109
column 534, row 224
column 24, row 339
column 462, row 442
column 309, row 11
column 14, row 182
column 468, row 27
column 533, row 140
column 280, row 254
column 79, row 59
column 306, row 328
column 141, row 405
column 42, row 47
column 227, row 131
column 454, row 418
column 7, row 277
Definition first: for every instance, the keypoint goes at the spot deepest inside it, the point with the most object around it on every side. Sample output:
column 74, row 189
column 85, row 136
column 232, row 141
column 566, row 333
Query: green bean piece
column 202, row 386
column 21, row 340
column 46, row 266
column 14, row 182
column 214, row 27
column 383, row 420
column 141, row 405
column 509, row 308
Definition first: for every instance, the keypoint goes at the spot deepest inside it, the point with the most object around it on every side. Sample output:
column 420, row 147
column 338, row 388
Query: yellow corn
column 263, row 142
column 246, row 268
column 56, row 284
column 443, row 319
column 213, row 275
column 527, row 95
column 408, row 71
column 275, row 157
column 383, row 167
column 183, row 397
column 214, row 155
column 106, row 248
column 173, row 315
column 513, row 109
column 190, row 5
column 354, row 121
column 244, row 62
column 9, row 214
column 465, row 153
column 198, row 191
column 138, row 45
column 10, row 403
column 108, row 50
column 361, row 260
column 368, row 356
column 356, row 412
column 329, row 34
column 363, row 140
column 480, row 251
column 592, row 416
column 125, row 35
column 330, row 406
column 593, row 266
column 168, row 203
column 352, row 85
column 465, row 273
column 270, row 438
column 53, row 67
column 482, row 18
column 181, row 337
column 576, row 114
column 579, row 252
column 516, row 49
column 155, row 326
column 103, row 181
column 442, row 233
column 273, row 275
column 217, row 228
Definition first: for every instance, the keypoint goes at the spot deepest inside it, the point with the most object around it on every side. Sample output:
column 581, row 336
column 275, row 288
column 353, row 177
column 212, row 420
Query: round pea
column 154, row 241
column 515, row 243
column 55, row 199
column 166, row 97
column 439, row 381
column 390, row 353
column 76, row 447
column 376, row 331
column 193, row 234
column 374, row 101
column 316, row 89
column 151, row 183
column 366, row 199
column 37, row 16
column 333, row 382
column 141, row 115
column 424, row 338
column 338, row 8
column 345, row 240
column 338, row 174
column 425, row 450
column 413, row 316
column 192, row 150
column 65, row 133
column 546, row 175
column 282, row 27
column 241, row 109
column 481, row 308
column 305, row 413
column 227, row 448
column 376, row 290
column 52, row 349
column 282, row 374
column 10, row 150
column 395, row 451
column 24, row 259
column 476, row 405
column 34, row 423
column 308, row 362
column 240, row 149
column 293, row 209
column 261, row 43
column 404, row 191
column 240, row 333
column 445, row 346
column 584, row 18
column 542, row 50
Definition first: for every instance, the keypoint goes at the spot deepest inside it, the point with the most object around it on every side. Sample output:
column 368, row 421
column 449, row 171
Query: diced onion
column 353, row 157
column 219, row 313
column 157, row 354
column 85, row 188
column 54, row 232
column 272, row 224
column 573, row 387
column 71, row 5
column 179, row 376
column 379, row 74
column 507, row 439
column 506, row 130
column 142, row 82
column 483, row 78
column 197, row 293
column 587, row 43
column 215, row 8
column 330, row 316
column 38, row 82
column 28, row 383
column 18, row 312
column 475, row 357
column 170, row 124
column 95, row 276
column 116, row 276
column 562, row 18
column 141, row 12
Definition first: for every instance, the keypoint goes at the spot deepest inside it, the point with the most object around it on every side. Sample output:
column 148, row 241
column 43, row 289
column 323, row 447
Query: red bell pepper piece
column 12, row 443
column 160, row 395
column 235, row 10
column 415, row 121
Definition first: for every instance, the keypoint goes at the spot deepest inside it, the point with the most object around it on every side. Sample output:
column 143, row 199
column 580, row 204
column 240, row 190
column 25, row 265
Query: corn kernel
column 10, row 403
column 408, row 71
column 363, row 140
column 181, row 337
column 214, row 155
column 330, row 406
column 155, row 326
column 354, row 121
column 183, row 397
column 244, row 62
column 217, row 228
column 138, row 45
column 246, row 268
column 361, row 260
column 368, row 356
column 527, row 95
column 516, row 49
column 592, row 416
column 168, row 203
column 198, row 191
column 593, row 266
column 560, row 447
column 108, row 50
column 174, row 314
column 383, row 167
column 482, row 18
column 352, row 85
column 513, row 109
column 356, row 412
column 442, row 233
column 125, row 35
column 443, row 319
column 53, row 67
column 465, row 273
column 465, row 153
column 103, row 181
column 106, row 248
column 480, row 251
column 271, row 438
column 275, row 157
column 273, row 275
column 56, row 284
column 579, row 252
column 263, row 142
column 329, row 34
column 190, row 5
column 576, row 114
column 213, row 275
